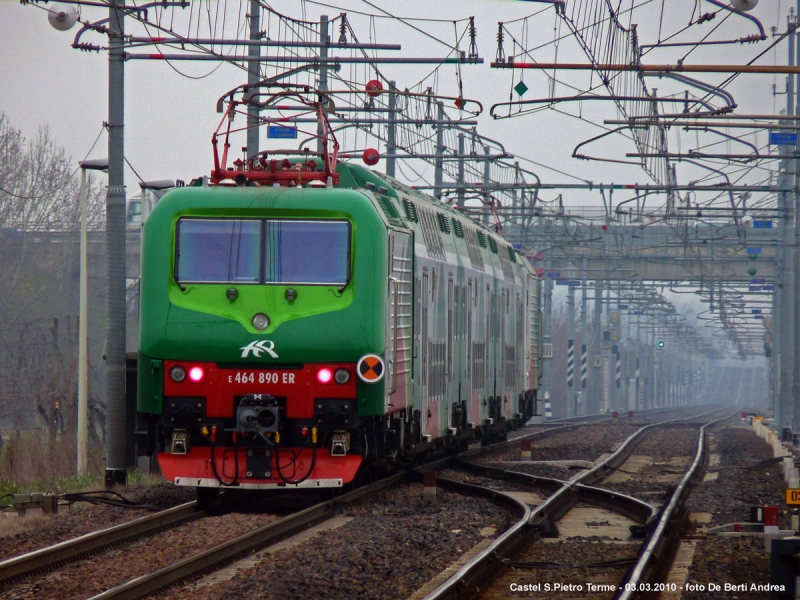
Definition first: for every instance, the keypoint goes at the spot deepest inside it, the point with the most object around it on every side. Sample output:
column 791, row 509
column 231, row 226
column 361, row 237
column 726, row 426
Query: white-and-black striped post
column 584, row 357
column 637, row 384
column 615, row 350
column 548, row 410
column 570, row 363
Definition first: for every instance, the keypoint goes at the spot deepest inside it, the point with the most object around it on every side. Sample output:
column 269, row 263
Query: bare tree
column 39, row 246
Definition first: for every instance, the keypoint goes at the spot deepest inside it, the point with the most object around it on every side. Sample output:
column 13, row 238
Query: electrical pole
column 324, row 40
column 597, row 349
column 787, row 272
column 115, row 254
column 793, row 419
column 253, row 77
column 438, row 175
column 461, row 180
column 391, row 132
column 547, row 359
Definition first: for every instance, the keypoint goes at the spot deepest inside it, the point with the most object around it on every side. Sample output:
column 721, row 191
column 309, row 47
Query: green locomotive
column 301, row 324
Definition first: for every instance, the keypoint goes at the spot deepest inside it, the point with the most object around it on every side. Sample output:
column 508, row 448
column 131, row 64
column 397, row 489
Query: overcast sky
column 170, row 111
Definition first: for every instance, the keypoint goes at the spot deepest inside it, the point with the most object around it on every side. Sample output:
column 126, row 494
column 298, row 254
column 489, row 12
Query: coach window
column 218, row 250
column 310, row 252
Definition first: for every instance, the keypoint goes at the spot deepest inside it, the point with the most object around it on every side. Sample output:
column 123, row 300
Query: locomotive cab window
column 218, row 251
column 263, row 251
column 313, row 252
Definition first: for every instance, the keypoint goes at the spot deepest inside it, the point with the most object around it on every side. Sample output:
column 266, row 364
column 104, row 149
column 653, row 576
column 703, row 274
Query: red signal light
column 324, row 375
column 196, row 374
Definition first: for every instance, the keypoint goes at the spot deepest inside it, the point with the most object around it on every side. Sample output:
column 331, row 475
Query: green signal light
column 660, row 343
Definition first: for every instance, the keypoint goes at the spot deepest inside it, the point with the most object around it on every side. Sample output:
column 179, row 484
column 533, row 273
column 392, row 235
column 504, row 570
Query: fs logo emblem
column 258, row 347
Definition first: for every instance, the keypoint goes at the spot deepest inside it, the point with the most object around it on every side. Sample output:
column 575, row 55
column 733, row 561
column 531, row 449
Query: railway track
column 52, row 557
column 219, row 556
column 249, row 543
column 476, row 575
column 228, row 552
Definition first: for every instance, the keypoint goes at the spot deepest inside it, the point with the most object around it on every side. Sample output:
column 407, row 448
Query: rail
column 544, row 516
column 657, row 543
column 91, row 543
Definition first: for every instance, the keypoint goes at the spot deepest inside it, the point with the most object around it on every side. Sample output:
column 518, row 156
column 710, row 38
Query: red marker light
column 304, row 432
column 324, row 375
column 374, row 88
column 196, row 374
column 371, row 156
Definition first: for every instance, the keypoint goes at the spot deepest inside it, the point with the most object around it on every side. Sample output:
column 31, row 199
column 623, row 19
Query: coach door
column 398, row 320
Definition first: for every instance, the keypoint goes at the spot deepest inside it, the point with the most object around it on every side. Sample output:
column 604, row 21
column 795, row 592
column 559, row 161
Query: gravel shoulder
column 728, row 498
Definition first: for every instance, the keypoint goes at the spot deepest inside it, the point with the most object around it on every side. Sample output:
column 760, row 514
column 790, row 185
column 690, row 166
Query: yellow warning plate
column 792, row 496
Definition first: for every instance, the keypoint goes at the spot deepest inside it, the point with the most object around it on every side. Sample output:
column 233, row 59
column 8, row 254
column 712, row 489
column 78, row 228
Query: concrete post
column 253, row 76
column 391, row 132
column 324, row 39
column 116, row 430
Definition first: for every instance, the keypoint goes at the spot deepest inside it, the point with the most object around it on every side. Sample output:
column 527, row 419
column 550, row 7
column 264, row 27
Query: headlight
column 260, row 321
column 342, row 376
column 177, row 373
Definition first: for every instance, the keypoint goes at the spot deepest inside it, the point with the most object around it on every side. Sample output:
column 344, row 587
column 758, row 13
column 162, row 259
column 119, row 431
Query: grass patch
column 30, row 463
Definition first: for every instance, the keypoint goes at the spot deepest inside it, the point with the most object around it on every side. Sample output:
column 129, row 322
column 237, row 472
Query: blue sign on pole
column 279, row 132
column 755, row 288
column 768, row 288
column 754, row 250
column 758, row 316
column 758, row 281
column 762, row 224
column 782, row 138
column 623, row 306
column 756, row 311
column 554, row 275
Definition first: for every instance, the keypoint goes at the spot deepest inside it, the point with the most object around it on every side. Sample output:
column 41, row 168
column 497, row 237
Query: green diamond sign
column 521, row 88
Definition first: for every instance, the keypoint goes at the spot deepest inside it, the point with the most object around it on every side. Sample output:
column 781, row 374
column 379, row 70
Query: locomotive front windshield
column 268, row 251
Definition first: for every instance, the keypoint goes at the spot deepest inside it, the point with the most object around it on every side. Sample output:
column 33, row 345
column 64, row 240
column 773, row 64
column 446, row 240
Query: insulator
column 501, row 53
column 343, row 29
column 707, row 17
column 473, row 45
column 86, row 47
